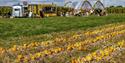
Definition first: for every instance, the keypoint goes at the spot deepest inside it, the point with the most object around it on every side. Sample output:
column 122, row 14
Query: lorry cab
column 49, row 10
column 17, row 11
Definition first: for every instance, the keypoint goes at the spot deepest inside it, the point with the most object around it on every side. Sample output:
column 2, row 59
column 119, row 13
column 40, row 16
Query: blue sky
column 108, row 2
column 12, row 2
column 60, row 2
column 115, row 2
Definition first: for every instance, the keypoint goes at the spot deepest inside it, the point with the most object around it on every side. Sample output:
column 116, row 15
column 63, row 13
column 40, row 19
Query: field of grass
column 17, row 31
column 63, row 40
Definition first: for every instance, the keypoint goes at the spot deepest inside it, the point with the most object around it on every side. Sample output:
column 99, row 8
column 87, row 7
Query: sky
column 107, row 2
column 61, row 2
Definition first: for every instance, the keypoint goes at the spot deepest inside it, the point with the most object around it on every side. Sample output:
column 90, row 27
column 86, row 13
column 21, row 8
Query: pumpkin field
column 90, row 39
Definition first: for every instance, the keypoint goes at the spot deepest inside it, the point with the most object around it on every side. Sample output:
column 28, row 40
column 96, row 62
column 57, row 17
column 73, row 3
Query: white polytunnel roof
column 79, row 4
column 99, row 5
column 86, row 5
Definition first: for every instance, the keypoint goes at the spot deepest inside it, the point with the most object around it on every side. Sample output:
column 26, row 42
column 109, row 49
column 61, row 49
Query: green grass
column 27, row 27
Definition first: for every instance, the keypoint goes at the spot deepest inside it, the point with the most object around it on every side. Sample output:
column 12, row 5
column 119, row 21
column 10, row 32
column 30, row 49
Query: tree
column 120, row 6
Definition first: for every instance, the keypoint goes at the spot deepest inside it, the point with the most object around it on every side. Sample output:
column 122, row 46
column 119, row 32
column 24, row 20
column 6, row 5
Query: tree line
column 115, row 9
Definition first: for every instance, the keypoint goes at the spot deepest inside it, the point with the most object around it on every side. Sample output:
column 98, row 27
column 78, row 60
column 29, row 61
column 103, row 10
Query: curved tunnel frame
column 99, row 2
column 86, row 2
column 68, row 3
column 99, row 8
column 86, row 8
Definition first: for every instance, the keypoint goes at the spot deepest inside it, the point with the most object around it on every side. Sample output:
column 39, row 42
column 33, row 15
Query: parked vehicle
column 17, row 11
column 47, row 9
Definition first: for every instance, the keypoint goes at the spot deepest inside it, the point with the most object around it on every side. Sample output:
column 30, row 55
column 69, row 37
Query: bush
column 116, row 10
column 5, row 11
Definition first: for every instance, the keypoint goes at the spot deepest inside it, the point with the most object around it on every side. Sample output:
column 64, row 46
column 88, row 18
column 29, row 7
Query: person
column 26, row 14
column 91, row 11
column 9, row 14
column 30, row 14
column 61, row 14
column 41, row 14
column 77, row 12
column 71, row 13
column 67, row 14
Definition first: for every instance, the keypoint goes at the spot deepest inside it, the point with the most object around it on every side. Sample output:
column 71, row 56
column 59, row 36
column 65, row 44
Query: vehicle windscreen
column 49, row 9
column 17, row 9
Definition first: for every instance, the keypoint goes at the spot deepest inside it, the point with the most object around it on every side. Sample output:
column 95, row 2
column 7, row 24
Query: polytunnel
column 99, row 8
column 83, row 7
column 86, row 8
column 86, row 5
column 68, row 4
column 99, row 5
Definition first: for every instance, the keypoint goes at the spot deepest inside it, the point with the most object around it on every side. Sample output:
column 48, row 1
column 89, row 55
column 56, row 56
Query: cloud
column 106, row 2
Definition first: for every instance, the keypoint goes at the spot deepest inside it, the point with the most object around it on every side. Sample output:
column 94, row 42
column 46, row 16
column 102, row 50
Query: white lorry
column 17, row 11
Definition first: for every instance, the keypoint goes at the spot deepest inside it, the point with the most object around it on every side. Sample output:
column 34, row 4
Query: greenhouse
column 99, row 8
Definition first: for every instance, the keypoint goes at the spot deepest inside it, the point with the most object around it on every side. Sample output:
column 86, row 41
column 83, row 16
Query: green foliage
column 4, row 11
column 117, row 9
column 29, row 27
column 63, row 9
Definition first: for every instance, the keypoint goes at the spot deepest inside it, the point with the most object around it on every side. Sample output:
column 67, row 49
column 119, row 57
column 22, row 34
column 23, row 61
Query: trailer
column 47, row 9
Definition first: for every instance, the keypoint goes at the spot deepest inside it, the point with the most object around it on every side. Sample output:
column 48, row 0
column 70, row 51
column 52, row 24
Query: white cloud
column 106, row 2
